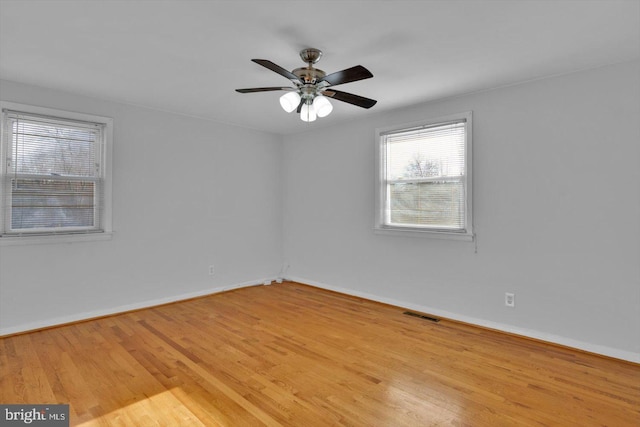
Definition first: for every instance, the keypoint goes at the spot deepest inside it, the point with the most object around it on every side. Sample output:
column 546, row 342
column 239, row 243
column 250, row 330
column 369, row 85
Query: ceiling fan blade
column 302, row 101
column 350, row 98
column 278, row 69
column 263, row 89
column 352, row 74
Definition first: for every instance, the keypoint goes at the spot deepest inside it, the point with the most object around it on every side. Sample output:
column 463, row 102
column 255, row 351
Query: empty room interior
column 296, row 213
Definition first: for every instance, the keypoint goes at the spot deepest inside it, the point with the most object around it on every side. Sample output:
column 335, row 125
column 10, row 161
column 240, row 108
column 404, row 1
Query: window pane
column 52, row 204
column 427, row 204
column 426, row 153
column 44, row 148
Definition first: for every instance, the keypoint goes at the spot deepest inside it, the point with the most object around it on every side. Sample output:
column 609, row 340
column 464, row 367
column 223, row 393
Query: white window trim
column 107, row 154
column 380, row 198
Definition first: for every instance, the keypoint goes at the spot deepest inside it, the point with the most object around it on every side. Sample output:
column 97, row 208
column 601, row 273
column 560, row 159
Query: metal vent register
column 421, row 316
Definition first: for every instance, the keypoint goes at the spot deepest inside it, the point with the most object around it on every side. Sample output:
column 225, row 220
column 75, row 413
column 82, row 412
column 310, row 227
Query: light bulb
column 307, row 113
column 289, row 101
column 322, row 106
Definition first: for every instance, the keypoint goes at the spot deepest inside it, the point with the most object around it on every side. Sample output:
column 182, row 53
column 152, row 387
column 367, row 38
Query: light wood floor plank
column 294, row 355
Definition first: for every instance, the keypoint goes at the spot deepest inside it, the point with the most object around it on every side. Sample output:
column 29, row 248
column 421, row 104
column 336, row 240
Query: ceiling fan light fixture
column 290, row 101
column 322, row 106
column 308, row 113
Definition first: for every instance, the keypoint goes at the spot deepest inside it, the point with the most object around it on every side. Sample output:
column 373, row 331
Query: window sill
column 413, row 232
column 60, row 238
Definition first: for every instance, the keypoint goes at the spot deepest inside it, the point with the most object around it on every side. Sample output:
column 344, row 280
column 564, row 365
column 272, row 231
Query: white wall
column 557, row 213
column 186, row 193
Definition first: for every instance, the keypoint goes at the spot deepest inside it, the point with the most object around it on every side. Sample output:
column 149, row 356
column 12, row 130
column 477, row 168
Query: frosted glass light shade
column 308, row 113
column 322, row 106
column 289, row 101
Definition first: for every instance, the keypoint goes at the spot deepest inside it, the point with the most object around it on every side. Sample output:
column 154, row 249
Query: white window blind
column 53, row 179
column 424, row 177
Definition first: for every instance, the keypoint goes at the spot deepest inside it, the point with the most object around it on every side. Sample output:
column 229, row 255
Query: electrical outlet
column 509, row 299
column 212, row 270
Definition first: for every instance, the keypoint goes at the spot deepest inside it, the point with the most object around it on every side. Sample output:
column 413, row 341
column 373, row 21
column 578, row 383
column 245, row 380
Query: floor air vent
column 421, row 316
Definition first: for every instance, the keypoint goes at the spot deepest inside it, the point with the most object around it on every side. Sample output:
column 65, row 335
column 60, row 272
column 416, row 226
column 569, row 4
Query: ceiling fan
column 312, row 86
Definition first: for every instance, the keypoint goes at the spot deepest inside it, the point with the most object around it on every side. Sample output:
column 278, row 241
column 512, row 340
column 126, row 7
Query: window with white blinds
column 54, row 173
column 424, row 180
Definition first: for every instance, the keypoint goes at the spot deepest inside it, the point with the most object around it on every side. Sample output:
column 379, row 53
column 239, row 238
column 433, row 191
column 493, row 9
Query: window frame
column 381, row 183
column 104, row 231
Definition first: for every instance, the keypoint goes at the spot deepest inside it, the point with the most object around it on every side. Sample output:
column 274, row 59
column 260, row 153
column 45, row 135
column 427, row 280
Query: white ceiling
column 188, row 56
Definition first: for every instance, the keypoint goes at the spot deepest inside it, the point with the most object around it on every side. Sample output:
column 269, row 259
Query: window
column 55, row 173
column 424, row 178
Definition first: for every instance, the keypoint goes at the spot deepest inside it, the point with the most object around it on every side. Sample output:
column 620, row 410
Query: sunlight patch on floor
column 162, row 409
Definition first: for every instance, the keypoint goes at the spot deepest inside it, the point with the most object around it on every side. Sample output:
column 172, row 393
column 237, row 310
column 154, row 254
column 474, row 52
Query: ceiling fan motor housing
column 309, row 75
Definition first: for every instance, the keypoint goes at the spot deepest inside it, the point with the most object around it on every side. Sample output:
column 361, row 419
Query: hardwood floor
column 293, row 355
